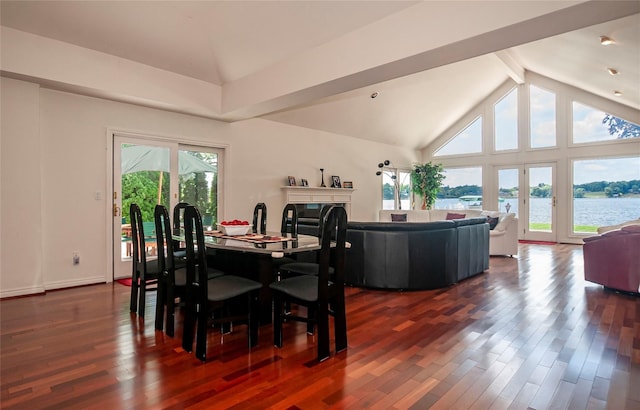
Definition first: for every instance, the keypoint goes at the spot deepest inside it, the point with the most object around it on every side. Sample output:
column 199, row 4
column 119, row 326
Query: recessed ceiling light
column 617, row 93
column 374, row 94
column 613, row 71
column 606, row 41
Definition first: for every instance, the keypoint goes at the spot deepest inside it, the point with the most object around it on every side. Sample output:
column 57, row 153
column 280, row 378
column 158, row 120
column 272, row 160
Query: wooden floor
column 528, row 333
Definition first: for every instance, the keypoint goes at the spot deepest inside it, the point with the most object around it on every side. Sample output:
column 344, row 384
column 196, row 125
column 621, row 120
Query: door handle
column 116, row 210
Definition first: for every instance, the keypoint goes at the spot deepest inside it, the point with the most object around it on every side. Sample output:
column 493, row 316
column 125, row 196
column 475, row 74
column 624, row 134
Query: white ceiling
column 226, row 43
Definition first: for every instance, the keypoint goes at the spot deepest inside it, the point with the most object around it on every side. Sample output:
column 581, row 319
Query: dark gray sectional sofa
column 416, row 255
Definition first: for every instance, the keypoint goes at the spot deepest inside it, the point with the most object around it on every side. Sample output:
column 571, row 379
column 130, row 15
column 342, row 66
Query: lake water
column 587, row 211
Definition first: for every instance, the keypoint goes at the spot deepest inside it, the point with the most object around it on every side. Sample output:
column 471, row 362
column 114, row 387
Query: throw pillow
column 492, row 222
column 451, row 216
column 398, row 217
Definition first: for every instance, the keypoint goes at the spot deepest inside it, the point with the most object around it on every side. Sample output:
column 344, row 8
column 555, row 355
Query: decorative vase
column 322, row 185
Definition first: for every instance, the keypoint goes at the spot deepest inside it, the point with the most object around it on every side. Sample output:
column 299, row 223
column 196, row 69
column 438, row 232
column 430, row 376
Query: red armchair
column 612, row 259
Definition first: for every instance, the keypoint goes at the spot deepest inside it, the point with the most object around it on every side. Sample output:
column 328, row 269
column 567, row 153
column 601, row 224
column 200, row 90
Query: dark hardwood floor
column 528, row 333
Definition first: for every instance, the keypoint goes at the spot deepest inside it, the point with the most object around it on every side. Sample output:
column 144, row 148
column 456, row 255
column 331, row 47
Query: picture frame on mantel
column 304, row 182
column 347, row 184
column 292, row 181
column 335, row 181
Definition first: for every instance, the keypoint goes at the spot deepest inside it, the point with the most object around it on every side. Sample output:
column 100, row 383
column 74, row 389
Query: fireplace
column 309, row 202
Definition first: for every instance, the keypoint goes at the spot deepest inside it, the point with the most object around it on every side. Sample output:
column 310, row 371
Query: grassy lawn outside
column 539, row 226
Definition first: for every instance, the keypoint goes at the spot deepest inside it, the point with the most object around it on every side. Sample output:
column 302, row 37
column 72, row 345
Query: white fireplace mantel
column 311, row 195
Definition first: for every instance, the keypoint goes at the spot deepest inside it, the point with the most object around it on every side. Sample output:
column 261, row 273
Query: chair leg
column 252, row 320
column 277, row 319
column 201, row 332
column 133, row 304
column 171, row 310
column 323, row 331
column 161, row 299
column 187, row 327
column 311, row 315
column 142, row 290
column 340, row 323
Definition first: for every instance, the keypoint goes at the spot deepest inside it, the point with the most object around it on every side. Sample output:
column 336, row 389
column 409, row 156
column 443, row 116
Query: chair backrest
column 260, row 215
column 137, row 238
column 334, row 223
column 178, row 216
column 178, row 221
column 323, row 213
column 164, row 238
column 196, row 253
column 289, row 220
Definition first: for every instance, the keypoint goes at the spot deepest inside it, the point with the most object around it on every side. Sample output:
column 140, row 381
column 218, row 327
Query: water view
column 586, row 211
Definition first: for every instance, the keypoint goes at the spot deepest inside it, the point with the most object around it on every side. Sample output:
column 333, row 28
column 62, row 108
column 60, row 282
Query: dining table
column 252, row 256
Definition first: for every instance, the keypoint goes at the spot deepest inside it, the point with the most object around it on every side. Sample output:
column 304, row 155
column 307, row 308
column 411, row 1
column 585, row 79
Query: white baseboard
column 31, row 290
column 76, row 282
column 34, row 290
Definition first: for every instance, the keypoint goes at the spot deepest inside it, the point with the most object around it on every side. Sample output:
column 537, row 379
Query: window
column 591, row 125
column 506, row 122
column 605, row 192
column 396, row 192
column 543, row 117
column 461, row 189
column 467, row 141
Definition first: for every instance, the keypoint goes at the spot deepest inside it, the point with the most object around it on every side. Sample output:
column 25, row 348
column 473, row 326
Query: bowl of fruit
column 235, row 227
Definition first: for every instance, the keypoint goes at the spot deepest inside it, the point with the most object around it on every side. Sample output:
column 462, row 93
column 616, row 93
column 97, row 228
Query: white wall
column 21, row 250
column 54, row 160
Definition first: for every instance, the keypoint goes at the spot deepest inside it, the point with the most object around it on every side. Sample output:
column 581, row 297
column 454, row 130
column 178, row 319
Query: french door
column 144, row 172
column 539, row 202
column 150, row 172
column 528, row 191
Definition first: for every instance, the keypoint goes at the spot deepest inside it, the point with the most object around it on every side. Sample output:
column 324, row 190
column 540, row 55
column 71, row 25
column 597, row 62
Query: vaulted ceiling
column 316, row 64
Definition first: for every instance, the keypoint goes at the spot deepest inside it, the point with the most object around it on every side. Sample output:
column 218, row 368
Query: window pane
column 467, row 141
column 506, row 122
column 591, row 125
column 541, row 198
column 461, row 189
column 405, row 189
column 198, row 183
column 509, row 190
column 388, row 191
column 605, row 192
column 543, row 117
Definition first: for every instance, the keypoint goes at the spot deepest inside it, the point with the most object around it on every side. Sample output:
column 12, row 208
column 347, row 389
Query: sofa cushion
column 413, row 215
column 492, row 221
column 398, row 217
column 452, row 215
column 505, row 220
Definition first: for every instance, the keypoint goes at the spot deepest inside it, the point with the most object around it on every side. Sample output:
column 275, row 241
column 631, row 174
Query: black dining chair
column 260, row 218
column 172, row 281
column 321, row 294
column 307, row 268
column 208, row 300
column 145, row 273
column 288, row 226
column 289, row 267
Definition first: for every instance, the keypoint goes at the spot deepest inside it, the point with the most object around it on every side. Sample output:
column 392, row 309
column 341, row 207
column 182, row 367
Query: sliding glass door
column 149, row 172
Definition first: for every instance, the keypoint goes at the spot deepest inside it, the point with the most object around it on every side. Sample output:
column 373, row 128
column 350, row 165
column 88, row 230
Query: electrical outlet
column 76, row 258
